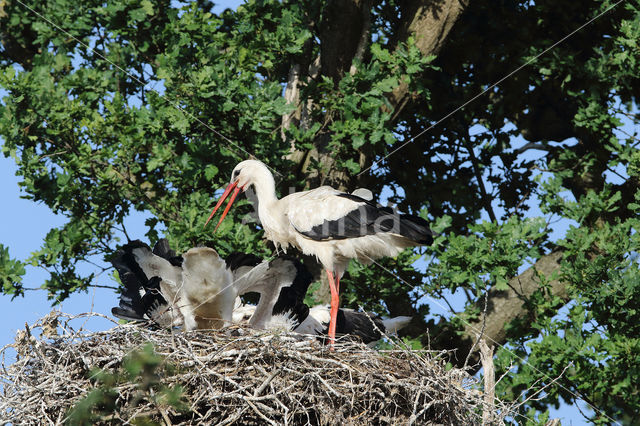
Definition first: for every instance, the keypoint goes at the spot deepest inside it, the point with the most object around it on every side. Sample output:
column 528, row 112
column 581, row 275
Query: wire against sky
column 142, row 83
column 375, row 163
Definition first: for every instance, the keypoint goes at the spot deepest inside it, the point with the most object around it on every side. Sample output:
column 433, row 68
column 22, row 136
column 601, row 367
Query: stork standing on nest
column 332, row 225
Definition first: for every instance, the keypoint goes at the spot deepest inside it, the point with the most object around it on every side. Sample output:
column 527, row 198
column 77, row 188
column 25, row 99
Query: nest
column 230, row 376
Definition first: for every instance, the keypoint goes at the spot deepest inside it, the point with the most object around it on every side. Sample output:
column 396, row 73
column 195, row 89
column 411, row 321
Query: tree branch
column 476, row 171
column 504, row 306
column 340, row 33
column 429, row 23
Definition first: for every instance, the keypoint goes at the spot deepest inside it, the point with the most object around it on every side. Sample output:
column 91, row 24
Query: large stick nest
column 230, row 376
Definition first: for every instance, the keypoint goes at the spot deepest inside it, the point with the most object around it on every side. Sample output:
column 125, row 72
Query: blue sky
column 24, row 226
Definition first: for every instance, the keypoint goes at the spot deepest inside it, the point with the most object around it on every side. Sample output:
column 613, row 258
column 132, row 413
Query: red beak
column 224, row 196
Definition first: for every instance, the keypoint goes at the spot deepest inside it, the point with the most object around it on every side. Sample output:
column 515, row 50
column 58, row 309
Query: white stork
column 332, row 225
column 197, row 290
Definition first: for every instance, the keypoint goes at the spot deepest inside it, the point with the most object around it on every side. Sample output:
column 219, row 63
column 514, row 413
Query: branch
column 292, row 96
column 341, row 32
column 504, row 306
column 479, row 339
column 486, row 355
column 478, row 174
column 364, row 37
column 429, row 23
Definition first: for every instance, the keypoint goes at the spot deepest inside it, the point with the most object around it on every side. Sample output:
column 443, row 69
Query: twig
column 484, row 324
column 266, row 382
column 486, row 356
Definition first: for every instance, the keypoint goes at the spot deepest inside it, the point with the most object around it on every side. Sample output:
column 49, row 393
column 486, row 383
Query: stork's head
column 245, row 174
column 203, row 262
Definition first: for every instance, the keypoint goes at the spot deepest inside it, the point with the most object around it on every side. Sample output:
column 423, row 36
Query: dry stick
column 162, row 412
column 266, row 382
column 486, row 356
column 484, row 323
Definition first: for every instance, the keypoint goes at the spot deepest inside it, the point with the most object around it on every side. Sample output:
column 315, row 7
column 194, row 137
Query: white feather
column 392, row 325
column 363, row 193
column 208, row 289
column 170, row 286
column 242, row 313
column 267, row 278
column 156, row 266
column 281, row 322
column 320, row 313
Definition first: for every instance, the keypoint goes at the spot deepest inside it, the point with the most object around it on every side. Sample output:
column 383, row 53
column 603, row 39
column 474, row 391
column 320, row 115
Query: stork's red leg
column 335, row 301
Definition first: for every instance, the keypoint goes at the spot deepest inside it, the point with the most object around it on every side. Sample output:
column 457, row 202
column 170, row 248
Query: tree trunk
column 429, row 23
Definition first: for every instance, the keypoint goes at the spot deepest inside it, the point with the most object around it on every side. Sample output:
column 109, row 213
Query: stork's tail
column 416, row 229
column 367, row 326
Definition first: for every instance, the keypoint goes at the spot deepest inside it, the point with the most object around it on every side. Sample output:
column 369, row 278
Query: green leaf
column 352, row 166
column 357, row 141
column 210, row 172
column 11, row 273
column 147, row 6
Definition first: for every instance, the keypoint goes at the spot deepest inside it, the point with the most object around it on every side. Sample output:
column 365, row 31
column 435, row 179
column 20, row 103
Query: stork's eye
column 236, row 173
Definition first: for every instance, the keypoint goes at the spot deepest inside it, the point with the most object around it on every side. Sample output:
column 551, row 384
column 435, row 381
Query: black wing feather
column 291, row 299
column 360, row 324
column 163, row 250
column 370, row 219
column 237, row 260
column 140, row 297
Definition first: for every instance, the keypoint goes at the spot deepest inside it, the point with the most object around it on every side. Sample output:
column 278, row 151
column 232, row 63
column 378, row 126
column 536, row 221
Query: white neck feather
column 265, row 187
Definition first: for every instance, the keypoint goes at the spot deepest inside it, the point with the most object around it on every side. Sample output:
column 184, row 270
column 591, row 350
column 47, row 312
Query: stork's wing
column 291, row 299
column 150, row 305
column 326, row 214
column 142, row 297
column 237, row 260
column 363, row 193
column 155, row 266
column 251, row 273
column 132, row 278
column 204, row 264
column 366, row 326
column 362, row 325
column 163, row 250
